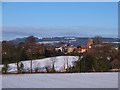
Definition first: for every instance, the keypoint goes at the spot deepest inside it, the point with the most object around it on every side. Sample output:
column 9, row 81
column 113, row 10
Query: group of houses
column 70, row 49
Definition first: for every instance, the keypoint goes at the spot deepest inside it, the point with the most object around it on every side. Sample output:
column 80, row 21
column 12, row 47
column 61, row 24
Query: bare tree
column 98, row 40
column 37, row 67
column 64, row 66
column 48, row 66
column 66, row 62
column 18, row 70
column 5, row 68
column 53, row 61
column 21, row 67
column 30, row 41
column 30, row 66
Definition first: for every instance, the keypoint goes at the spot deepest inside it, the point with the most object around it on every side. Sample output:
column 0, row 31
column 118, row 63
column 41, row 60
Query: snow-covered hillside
column 74, row 80
column 61, row 63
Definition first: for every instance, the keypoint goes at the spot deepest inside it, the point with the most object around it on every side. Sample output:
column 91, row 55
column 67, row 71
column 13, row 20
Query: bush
column 21, row 67
column 36, row 69
column 5, row 68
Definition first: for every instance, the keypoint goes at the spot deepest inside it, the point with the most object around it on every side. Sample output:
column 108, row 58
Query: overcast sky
column 59, row 19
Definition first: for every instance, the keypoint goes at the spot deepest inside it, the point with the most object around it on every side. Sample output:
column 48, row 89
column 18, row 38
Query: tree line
column 98, row 59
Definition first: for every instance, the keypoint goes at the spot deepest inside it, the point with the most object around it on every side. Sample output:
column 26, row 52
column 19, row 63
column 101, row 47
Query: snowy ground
column 60, row 63
column 76, row 80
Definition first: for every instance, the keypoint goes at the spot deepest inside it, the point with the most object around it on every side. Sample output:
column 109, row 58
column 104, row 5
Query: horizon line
column 59, row 37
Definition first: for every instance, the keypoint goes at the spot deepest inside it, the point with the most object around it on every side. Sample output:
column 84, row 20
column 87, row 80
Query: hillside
column 60, row 64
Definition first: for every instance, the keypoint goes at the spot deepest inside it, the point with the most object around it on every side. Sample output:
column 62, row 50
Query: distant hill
column 19, row 40
column 75, row 41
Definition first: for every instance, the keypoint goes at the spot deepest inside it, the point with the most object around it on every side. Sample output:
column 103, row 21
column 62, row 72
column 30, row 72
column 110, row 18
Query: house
column 82, row 49
column 70, row 49
column 65, row 49
column 59, row 49
column 78, row 50
column 90, row 42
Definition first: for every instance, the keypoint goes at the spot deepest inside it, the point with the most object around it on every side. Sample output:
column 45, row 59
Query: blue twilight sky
column 49, row 19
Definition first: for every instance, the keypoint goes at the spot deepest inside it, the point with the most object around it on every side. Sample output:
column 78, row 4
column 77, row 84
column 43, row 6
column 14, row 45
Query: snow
column 1, row 68
column 48, row 42
column 60, row 63
column 71, row 80
column 57, row 80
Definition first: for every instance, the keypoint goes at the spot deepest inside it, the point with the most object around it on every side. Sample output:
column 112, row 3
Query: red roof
column 84, row 47
column 64, row 46
column 78, row 49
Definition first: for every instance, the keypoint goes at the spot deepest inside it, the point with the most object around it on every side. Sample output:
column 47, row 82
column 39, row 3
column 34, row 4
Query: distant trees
column 97, row 40
column 30, row 39
column 90, row 64
column 100, row 58
column 47, row 53
column 6, row 52
column 13, row 53
column 115, row 59
column 104, row 55
column 52, row 53
column 85, row 64
column 22, row 51
column 28, row 50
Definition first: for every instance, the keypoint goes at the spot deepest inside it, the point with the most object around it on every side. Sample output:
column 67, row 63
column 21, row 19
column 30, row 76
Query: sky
column 51, row 19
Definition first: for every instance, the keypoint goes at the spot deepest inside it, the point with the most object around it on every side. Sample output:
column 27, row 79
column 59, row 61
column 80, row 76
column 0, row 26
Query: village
column 92, row 53
column 80, row 49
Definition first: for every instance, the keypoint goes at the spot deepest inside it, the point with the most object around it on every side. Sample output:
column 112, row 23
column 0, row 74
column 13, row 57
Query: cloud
column 12, row 32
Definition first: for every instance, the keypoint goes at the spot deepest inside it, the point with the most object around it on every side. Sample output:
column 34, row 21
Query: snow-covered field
column 76, row 80
column 60, row 63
